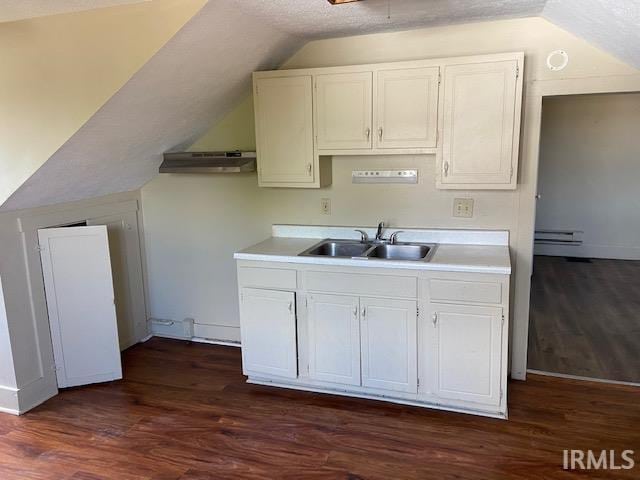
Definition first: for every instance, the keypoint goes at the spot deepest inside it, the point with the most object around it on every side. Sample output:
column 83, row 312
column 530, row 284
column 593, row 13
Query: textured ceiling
column 11, row 10
column 206, row 68
column 612, row 25
column 318, row 19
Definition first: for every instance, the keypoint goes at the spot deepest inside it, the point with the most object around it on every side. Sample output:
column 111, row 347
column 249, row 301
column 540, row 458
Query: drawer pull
column 434, row 318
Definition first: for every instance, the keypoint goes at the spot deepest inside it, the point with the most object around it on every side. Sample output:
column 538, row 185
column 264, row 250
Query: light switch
column 463, row 207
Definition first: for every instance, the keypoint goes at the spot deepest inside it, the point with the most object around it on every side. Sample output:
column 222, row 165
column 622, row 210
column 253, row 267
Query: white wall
column 402, row 205
column 589, row 174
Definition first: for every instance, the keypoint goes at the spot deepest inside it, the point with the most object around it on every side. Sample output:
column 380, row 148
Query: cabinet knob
column 364, row 312
column 446, row 169
column 309, row 168
column 368, row 133
column 290, row 307
column 434, row 318
column 380, row 133
column 355, row 311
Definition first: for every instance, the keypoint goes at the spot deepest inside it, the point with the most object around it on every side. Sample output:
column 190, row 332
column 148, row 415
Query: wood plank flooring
column 184, row 412
column 585, row 318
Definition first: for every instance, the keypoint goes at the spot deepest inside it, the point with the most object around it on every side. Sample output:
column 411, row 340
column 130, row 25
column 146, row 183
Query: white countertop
column 448, row 256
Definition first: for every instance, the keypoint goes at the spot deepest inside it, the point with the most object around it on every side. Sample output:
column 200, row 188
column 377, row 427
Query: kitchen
column 477, row 234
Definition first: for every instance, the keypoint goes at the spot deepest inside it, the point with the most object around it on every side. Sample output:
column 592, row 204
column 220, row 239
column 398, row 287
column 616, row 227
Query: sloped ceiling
column 11, row 10
column 612, row 25
column 201, row 73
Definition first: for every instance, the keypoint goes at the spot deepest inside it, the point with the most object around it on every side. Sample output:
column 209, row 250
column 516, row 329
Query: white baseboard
column 578, row 377
column 9, row 400
column 217, row 333
column 589, row 251
column 216, row 342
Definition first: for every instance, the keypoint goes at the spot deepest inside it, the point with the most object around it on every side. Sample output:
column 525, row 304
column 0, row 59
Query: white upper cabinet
column 465, row 110
column 343, row 110
column 406, row 114
column 284, row 131
column 389, row 344
column 466, row 352
column 268, row 332
column 480, row 125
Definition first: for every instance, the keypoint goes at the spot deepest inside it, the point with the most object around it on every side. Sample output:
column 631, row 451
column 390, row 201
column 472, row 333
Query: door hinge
column 439, row 78
column 503, row 319
column 511, row 173
column 418, row 383
column 38, row 248
column 417, row 311
column 517, row 70
column 501, row 394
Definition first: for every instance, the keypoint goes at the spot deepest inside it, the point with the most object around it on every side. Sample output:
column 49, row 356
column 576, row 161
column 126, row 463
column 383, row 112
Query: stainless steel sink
column 400, row 252
column 414, row 252
column 337, row 248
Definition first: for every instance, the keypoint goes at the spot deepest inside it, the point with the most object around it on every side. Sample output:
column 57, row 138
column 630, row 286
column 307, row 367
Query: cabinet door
column 466, row 352
column 334, row 339
column 268, row 329
column 389, row 344
column 343, row 110
column 284, row 130
column 407, row 108
column 481, row 124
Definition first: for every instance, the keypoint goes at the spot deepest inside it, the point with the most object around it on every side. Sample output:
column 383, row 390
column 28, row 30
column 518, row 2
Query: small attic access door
column 78, row 282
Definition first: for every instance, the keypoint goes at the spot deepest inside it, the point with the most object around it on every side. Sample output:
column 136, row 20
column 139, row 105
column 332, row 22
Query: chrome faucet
column 394, row 237
column 363, row 235
column 379, row 232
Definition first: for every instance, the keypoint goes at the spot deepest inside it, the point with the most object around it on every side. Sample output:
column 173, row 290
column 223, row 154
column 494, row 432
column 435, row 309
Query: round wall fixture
column 557, row 60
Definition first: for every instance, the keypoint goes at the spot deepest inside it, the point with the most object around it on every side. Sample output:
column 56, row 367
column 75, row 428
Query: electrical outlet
column 463, row 207
column 325, row 206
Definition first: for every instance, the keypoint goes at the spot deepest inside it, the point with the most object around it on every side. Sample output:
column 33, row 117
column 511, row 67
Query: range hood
column 209, row 162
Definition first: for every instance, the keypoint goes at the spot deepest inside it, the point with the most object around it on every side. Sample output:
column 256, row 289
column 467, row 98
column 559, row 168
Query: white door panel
column 78, row 282
column 334, row 339
column 466, row 352
column 389, row 344
column 284, row 130
column 268, row 329
column 343, row 110
column 479, row 121
column 407, row 108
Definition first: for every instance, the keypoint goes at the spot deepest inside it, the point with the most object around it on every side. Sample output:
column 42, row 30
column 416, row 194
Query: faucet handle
column 363, row 235
column 394, row 236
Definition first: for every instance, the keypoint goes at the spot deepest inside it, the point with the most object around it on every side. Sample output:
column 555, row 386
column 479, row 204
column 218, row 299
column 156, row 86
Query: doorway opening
column 585, row 290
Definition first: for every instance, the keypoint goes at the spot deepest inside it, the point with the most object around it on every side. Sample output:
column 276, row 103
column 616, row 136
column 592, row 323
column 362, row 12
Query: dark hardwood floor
column 185, row 412
column 585, row 318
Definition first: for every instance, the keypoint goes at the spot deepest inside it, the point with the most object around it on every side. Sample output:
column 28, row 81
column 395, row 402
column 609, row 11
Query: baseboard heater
column 559, row 237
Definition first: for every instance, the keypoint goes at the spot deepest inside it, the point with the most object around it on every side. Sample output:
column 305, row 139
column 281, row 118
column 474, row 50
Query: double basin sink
column 416, row 252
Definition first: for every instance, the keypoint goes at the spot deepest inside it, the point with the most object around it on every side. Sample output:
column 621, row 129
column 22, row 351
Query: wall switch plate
column 463, row 207
column 325, row 206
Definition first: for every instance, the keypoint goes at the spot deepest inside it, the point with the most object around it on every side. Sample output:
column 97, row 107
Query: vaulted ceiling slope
column 199, row 75
column 202, row 72
column 612, row 25
column 12, row 10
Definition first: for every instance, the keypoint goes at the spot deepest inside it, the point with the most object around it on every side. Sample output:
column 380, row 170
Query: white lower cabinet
column 334, row 338
column 465, row 352
column 370, row 339
column 268, row 332
column 389, row 344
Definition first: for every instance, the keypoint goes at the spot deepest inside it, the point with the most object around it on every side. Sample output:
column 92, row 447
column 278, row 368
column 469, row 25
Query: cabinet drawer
column 267, row 277
column 362, row 284
column 447, row 290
